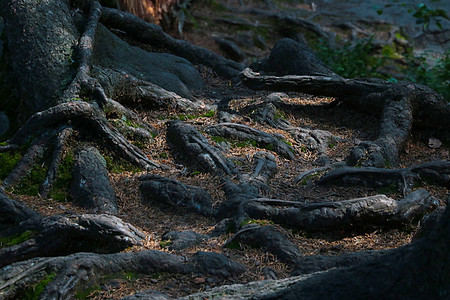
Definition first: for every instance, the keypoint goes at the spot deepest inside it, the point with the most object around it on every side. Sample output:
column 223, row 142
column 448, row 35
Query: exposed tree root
column 265, row 167
column 83, row 82
column 369, row 211
column 58, row 152
column 78, row 271
column 129, row 89
column 60, row 234
column 437, row 172
column 269, row 239
column 155, row 36
column 246, row 133
column 397, row 103
column 416, row 271
column 82, row 114
column 34, row 153
column 194, row 149
column 172, row 192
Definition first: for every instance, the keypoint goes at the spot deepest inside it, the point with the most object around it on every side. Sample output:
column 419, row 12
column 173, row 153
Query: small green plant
column 16, row 238
column 33, row 292
column 435, row 75
column 351, row 60
column 165, row 244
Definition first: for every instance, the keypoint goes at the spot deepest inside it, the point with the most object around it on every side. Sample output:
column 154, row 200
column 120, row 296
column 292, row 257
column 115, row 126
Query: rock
column 169, row 191
column 183, row 239
column 4, row 120
column 289, row 57
column 91, row 187
column 216, row 264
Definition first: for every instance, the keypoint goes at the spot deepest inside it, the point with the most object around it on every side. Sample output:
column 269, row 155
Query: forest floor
column 304, row 111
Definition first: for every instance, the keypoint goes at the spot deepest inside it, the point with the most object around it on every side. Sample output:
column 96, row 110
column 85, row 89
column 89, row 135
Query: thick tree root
column 312, row 172
column 34, row 153
column 12, row 213
column 82, row 81
column 58, row 153
column 194, row 149
column 154, row 35
column 268, row 239
column 417, row 271
column 66, row 234
column 398, row 104
column 91, row 187
column 317, row 85
column 437, row 172
column 82, row 114
column 72, row 273
column 363, row 212
column 264, row 168
column 246, row 133
column 128, row 89
column 172, row 192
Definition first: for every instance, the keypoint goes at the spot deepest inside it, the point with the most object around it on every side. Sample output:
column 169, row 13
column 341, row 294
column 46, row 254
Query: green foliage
column 8, row 161
column 234, row 245
column 16, row 238
column 436, row 76
column 350, row 60
column 61, row 186
column 33, row 292
column 165, row 244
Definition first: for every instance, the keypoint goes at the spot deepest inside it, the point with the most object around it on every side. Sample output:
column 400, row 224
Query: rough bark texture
column 36, row 64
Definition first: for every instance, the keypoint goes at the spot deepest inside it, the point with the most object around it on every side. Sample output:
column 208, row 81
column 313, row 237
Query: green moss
column 87, row 293
column 185, row 117
column 234, row 244
column 33, row 292
column 119, row 165
column 8, row 161
column 16, row 238
column 279, row 115
column 29, row 185
column 61, row 186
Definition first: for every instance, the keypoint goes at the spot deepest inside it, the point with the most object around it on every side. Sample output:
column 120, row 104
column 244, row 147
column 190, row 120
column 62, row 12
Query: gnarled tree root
column 74, row 272
column 82, row 114
column 60, row 234
column 245, row 133
column 195, row 150
column 437, row 172
column 397, row 104
column 154, row 35
column 363, row 212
